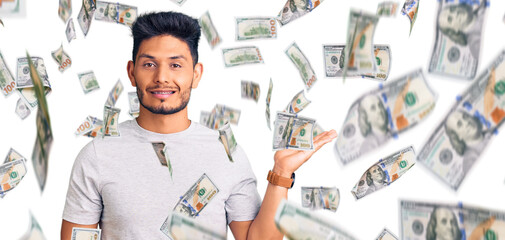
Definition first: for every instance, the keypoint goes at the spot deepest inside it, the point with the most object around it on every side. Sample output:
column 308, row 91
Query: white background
column 108, row 46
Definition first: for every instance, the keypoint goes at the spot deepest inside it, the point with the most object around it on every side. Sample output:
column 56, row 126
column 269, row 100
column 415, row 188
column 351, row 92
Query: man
column 373, row 122
column 463, row 25
column 375, row 179
column 443, row 225
column 467, row 137
column 120, row 184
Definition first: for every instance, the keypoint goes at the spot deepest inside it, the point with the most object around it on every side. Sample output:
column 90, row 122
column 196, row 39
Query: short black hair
column 175, row 24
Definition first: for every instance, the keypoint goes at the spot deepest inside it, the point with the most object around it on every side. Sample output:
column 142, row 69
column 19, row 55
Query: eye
column 460, row 124
column 444, row 221
column 175, row 65
column 449, row 19
column 149, row 65
column 372, row 108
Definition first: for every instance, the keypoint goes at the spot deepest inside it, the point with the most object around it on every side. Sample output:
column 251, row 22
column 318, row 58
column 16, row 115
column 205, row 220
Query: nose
column 162, row 74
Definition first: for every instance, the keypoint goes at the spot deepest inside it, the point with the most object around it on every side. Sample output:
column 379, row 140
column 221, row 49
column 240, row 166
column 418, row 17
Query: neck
column 164, row 124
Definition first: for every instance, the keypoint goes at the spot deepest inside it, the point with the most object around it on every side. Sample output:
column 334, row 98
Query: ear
column 130, row 67
column 197, row 74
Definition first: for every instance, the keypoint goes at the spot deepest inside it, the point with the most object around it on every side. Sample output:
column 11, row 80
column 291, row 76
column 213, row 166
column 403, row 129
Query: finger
column 325, row 139
column 320, row 135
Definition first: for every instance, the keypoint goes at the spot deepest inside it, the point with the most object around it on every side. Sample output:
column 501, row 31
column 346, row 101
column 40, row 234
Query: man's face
column 376, row 174
column 445, row 223
column 465, row 126
column 163, row 74
column 111, row 10
column 454, row 17
column 375, row 112
column 300, row 4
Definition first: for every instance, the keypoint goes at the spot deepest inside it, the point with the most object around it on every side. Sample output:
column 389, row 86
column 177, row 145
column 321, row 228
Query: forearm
column 263, row 226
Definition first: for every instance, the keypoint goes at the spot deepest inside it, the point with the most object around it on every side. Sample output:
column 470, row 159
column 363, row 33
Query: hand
column 288, row 160
column 480, row 231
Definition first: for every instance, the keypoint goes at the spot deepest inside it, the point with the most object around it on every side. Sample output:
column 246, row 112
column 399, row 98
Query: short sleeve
column 83, row 204
column 244, row 202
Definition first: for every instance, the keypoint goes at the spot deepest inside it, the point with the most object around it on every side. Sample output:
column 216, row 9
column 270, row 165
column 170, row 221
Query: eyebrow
column 152, row 57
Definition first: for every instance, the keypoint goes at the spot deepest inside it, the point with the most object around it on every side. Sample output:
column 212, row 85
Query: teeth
column 171, row 92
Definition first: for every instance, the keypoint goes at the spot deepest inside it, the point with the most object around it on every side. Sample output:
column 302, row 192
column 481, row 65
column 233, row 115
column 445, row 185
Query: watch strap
column 275, row 179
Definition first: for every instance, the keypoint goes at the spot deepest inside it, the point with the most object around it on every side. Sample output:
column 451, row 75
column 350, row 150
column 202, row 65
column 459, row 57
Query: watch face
column 292, row 177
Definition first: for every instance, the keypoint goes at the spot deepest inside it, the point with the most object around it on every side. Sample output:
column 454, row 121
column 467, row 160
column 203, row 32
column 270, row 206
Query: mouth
column 162, row 93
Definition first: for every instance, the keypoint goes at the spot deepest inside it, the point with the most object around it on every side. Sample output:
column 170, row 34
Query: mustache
column 168, row 87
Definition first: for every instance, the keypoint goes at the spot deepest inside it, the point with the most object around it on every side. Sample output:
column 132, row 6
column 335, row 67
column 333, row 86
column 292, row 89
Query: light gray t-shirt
column 120, row 183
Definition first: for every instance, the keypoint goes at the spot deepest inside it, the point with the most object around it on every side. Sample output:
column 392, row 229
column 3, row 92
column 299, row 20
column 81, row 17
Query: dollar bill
column 360, row 47
column 182, row 227
column 85, row 16
column 88, row 81
column 179, row 2
column 457, row 44
column 193, row 201
column 96, row 130
column 250, row 90
column 386, row 235
column 292, row 131
column 13, row 8
column 24, row 84
column 161, row 150
column 298, row 103
column 334, row 62
column 219, row 116
column 22, row 110
column 458, row 141
column 34, row 231
column 7, row 82
column 209, row 30
column 65, row 9
column 133, row 100
column 114, row 94
column 297, row 223
column 381, row 114
column 317, row 130
column 111, row 122
column 384, row 172
column 409, row 9
column 255, row 28
column 115, row 12
column 295, row 9
column 89, row 124
column 241, row 55
column 13, row 155
column 387, row 9
column 11, row 173
column 62, row 58
column 44, row 139
column 420, row 220
column 70, row 30
column 86, row 234
column 320, row 198
column 269, row 97
column 302, row 64
column 227, row 138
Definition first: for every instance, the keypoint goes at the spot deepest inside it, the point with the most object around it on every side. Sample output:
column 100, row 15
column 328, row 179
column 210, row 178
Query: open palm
column 288, row 161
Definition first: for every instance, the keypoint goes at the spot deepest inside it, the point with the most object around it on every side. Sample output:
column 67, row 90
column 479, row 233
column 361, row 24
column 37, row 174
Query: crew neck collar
column 154, row 135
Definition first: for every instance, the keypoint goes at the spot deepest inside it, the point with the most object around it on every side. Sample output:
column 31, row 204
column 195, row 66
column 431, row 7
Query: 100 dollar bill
column 297, row 223
column 7, row 82
column 381, row 114
column 209, row 30
column 241, row 55
column 334, row 62
column 255, row 28
column 293, row 10
column 292, row 131
column 458, row 38
column 458, row 141
column 302, row 64
column 360, row 48
column 182, row 227
column 320, row 198
column 384, row 172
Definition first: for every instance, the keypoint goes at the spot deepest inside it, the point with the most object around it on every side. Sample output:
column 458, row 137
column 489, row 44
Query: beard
column 184, row 97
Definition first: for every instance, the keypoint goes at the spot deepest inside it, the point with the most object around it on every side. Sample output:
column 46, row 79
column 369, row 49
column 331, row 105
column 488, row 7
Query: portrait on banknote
column 443, row 224
column 375, row 179
column 372, row 121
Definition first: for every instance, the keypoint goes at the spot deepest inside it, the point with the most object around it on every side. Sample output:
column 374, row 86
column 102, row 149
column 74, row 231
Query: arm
column 66, row 228
column 286, row 162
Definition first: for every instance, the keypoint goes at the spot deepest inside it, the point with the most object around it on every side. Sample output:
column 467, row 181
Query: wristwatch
column 275, row 179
